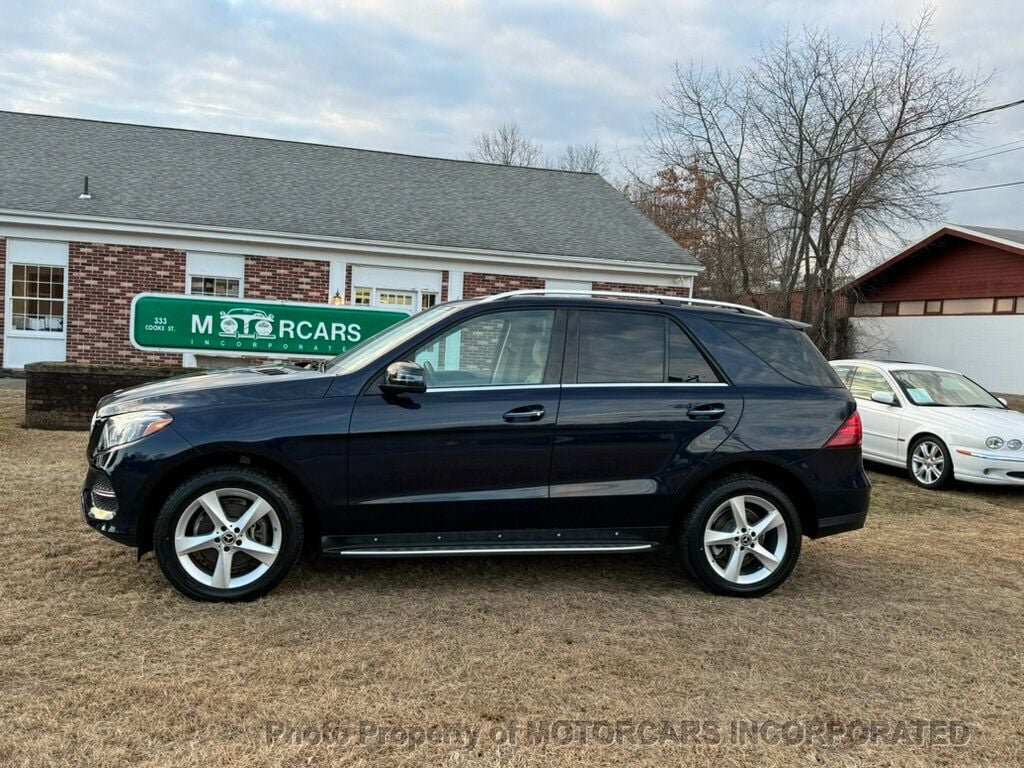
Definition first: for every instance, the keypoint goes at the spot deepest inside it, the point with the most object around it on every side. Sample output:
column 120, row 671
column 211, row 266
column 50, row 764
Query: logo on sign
column 240, row 323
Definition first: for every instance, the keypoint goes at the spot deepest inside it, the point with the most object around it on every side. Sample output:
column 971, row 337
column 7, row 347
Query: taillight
column 849, row 435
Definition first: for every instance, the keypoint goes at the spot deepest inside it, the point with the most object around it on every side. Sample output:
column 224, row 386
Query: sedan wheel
column 930, row 465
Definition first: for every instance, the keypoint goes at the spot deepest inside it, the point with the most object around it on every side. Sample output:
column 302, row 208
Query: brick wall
column 101, row 283
column 663, row 290
column 3, row 292
column 63, row 395
column 287, row 279
column 477, row 284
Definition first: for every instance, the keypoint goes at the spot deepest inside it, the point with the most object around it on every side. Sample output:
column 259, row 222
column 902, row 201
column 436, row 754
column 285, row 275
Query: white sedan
column 937, row 423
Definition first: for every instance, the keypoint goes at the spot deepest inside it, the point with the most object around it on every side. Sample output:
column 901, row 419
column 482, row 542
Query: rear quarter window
column 787, row 350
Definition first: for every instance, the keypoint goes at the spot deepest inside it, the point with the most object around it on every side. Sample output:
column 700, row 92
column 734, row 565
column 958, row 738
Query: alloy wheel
column 227, row 538
column 927, row 462
column 745, row 539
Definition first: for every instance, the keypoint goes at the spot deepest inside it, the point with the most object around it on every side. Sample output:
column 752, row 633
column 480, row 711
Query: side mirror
column 885, row 398
column 1004, row 401
column 404, row 378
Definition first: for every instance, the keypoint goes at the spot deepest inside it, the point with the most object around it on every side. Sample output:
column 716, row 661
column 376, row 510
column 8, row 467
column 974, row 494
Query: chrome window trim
column 509, row 387
column 493, row 387
column 684, row 384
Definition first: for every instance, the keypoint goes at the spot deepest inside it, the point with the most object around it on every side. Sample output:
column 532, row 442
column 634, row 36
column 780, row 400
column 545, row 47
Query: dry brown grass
column 102, row 663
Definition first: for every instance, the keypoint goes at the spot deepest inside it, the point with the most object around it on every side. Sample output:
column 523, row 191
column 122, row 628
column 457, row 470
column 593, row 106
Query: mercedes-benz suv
column 526, row 423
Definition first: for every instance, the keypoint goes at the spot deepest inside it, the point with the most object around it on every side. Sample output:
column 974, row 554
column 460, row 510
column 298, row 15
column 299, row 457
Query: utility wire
column 905, row 134
column 987, row 186
column 985, row 149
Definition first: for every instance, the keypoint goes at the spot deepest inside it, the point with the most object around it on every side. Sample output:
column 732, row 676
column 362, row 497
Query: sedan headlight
column 129, row 427
column 994, row 443
column 1014, row 445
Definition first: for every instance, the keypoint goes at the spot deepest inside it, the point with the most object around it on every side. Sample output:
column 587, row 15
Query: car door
column 881, row 421
column 642, row 406
column 473, row 452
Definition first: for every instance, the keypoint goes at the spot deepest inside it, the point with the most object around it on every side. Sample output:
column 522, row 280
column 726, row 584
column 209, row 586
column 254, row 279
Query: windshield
column 387, row 340
column 941, row 388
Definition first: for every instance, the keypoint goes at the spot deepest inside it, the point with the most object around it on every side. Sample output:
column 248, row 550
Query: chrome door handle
column 707, row 411
column 525, row 413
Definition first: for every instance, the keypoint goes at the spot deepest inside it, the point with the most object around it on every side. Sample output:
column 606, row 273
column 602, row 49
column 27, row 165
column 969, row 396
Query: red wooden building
column 954, row 299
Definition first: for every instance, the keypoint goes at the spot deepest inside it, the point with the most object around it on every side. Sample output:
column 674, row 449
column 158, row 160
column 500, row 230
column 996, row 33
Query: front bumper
column 115, row 497
column 988, row 467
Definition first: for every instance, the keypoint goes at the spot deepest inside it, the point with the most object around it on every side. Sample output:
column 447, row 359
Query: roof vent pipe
column 85, row 191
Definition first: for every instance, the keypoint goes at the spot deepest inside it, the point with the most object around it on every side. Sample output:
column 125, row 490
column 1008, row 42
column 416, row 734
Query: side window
column 843, row 372
column 686, row 364
column 786, row 349
column 865, row 381
column 621, row 347
column 500, row 349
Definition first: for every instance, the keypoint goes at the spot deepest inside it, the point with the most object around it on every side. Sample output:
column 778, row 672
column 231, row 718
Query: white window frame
column 217, row 266
column 30, row 259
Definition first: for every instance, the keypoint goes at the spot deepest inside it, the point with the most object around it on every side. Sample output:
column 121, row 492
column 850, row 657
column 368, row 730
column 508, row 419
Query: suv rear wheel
column 741, row 537
column 228, row 534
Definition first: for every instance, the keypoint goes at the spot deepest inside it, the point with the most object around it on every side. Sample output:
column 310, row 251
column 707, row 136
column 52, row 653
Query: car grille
column 102, row 494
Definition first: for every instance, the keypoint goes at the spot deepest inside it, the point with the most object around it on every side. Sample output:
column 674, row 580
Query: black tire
column 710, row 508
column 286, row 537
column 945, row 476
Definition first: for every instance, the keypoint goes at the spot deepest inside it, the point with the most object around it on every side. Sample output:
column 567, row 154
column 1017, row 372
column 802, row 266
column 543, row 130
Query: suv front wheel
column 228, row 534
column 741, row 537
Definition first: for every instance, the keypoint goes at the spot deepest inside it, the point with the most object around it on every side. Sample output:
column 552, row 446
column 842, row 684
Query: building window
column 202, row 285
column 967, row 307
column 911, row 307
column 402, row 299
column 867, row 309
column 1020, row 305
column 1004, row 306
column 933, row 307
column 428, row 299
column 362, row 297
column 890, row 308
column 37, row 298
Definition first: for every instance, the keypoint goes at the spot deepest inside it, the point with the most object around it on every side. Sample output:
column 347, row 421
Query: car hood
column 219, row 387
column 974, row 421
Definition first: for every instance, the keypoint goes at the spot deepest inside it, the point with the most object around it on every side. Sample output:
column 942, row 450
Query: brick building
column 189, row 212
column 954, row 299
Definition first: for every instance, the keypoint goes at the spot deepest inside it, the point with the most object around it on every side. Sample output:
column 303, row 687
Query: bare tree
column 505, row 145
column 584, row 158
column 815, row 147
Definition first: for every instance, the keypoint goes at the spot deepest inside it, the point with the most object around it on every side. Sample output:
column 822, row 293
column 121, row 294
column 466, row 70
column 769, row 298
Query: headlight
column 994, row 443
column 1014, row 445
column 129, row 427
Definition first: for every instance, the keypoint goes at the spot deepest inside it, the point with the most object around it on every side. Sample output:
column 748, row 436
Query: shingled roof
column 211, row 179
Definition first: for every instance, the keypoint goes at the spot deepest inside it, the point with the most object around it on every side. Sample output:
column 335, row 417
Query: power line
column 994, row 154
column 976, row 189
column 906, row 134
column 985, row 149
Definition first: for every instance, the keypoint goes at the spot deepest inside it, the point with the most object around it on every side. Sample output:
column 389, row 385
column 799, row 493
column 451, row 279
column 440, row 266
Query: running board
column 497, row 549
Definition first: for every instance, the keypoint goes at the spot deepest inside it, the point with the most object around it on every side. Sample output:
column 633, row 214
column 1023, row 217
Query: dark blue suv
column 524, row 423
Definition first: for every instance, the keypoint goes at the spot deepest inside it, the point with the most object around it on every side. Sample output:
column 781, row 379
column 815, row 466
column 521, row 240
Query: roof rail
column 624, row 295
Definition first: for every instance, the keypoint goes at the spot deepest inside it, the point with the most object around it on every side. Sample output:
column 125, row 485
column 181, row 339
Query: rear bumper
column 839, row 488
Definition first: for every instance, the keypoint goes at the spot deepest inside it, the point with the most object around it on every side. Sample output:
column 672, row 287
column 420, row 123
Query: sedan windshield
column 941, row 388
column 387, row 340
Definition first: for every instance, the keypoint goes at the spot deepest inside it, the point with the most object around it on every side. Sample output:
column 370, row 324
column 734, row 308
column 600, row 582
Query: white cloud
column 424, row 77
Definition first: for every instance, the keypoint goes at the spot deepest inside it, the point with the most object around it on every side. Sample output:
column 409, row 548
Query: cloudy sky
column 424, row 77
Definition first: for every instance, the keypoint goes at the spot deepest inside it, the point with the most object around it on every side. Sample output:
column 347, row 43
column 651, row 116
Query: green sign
column 241, row 327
